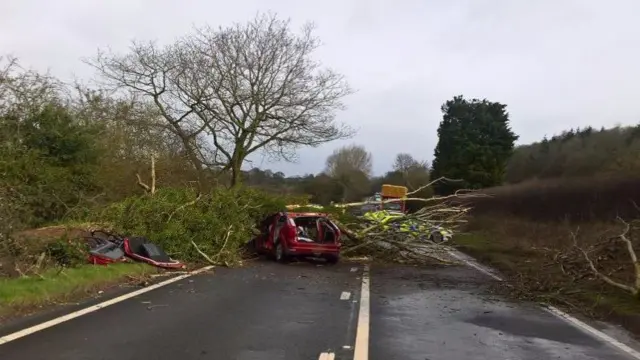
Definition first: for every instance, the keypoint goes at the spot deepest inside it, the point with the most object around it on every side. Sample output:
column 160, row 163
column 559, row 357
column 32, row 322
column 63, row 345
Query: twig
column 602, row 276
column 205, row 256
column 224, row 244
column 431, row 184
column 143, row 185
column 192, row 202
column 153, row 175
column 149, row 189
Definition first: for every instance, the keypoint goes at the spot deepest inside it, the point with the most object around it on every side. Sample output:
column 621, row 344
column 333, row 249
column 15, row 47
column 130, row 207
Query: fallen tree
column 418, row 237
column 624, row 237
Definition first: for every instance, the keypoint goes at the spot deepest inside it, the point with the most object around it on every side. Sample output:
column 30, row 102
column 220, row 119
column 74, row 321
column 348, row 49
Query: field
column 530, row 231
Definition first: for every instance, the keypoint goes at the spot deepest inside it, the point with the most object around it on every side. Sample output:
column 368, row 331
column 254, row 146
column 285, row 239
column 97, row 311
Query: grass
column 527, row 252
column 51, row 287
column 483, row 247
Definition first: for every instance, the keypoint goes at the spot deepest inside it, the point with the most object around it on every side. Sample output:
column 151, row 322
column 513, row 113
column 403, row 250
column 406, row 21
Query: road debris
column 411, row 238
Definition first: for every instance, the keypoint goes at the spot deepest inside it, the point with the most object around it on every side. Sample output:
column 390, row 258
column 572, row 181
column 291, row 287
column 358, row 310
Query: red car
column 286, row 235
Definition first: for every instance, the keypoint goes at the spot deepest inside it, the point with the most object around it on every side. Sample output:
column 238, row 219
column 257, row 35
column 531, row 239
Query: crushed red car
column 287, row 235
column 107, row 248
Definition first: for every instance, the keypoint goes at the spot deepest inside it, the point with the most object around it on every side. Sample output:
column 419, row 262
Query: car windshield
column 393, row 206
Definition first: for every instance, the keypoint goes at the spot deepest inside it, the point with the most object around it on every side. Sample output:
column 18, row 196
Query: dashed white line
column 354, row 269
column 562, row 315
column 345, row 295
column 47, row 324
column 327, row 356
column 361, row 351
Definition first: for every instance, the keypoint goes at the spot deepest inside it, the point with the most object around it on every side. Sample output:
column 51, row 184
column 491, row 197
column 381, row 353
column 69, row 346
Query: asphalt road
column 269, row 311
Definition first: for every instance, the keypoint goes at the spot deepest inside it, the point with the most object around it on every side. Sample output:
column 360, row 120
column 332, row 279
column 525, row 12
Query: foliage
column 67, row 252
column 47, row 157
column 218, row 222
column 578, row 153
column 474, row 144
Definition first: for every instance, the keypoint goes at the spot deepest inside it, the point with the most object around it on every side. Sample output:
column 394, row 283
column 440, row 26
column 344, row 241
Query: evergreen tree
column 474, row 144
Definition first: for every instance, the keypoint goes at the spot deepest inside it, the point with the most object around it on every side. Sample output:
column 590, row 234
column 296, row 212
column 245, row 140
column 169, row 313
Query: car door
column 279, row 223
column 327, row 232
column 337, row 232
column 265, row 227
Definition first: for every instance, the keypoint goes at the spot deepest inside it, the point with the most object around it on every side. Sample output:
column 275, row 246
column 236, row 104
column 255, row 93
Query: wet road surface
column 446, row 313
column 304, row 311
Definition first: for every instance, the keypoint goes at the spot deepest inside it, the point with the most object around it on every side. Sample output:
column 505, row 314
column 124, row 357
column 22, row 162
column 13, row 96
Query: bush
column 574, row 199
column 219, row 222
column 67, row 252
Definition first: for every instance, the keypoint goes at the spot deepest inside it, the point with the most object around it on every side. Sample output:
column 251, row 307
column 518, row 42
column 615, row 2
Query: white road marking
column 354, row 269
column 475, row 266
column 361, row 351
column 345, row 295
column 564, row 316
column 327, row 356
column 592, row 331
column 47, row 324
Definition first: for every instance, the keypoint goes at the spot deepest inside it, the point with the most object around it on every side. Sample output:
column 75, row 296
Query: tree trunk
column 236, row 172
column 236, row 166
column 235, row 176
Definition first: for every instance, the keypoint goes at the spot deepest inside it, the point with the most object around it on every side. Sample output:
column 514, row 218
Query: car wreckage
column 288, row 235
column 107, row 248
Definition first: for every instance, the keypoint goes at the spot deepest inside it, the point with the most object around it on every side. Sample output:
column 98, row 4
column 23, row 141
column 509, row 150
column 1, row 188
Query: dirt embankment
column 530, row 232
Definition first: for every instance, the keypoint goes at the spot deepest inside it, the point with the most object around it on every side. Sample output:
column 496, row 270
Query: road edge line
column 560, row 314
column 475, row 266
column 361, row 348
column 64, row 318
column 592, row 331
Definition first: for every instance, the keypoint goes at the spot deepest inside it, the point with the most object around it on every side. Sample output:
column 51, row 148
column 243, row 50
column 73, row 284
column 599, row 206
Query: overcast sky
column 557, row 64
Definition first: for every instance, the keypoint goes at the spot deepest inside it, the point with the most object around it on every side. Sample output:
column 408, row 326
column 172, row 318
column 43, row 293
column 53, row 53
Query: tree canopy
column 578, row 153
column 474, row 145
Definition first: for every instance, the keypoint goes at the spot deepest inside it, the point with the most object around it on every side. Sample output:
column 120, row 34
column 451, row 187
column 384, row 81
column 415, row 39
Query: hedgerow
column 195, row 227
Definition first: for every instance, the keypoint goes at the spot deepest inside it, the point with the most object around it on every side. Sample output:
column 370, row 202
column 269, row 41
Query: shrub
column 574, row 199
column 218, row 223
column 67, row 252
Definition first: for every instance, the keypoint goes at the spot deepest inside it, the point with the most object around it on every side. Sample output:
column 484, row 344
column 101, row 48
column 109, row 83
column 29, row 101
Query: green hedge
column 165, row 219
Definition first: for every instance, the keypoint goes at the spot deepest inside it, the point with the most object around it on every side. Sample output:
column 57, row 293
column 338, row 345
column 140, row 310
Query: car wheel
column 281, row 257
column 332, row 259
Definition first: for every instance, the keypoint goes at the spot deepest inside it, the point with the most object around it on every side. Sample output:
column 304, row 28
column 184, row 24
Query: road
column 269, row 311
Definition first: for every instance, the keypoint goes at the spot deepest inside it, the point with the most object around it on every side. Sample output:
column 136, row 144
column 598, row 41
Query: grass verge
column 533, row 258
column 51, row 287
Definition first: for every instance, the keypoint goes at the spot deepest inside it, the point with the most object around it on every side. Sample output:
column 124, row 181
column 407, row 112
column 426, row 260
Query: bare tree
column 348, row 159
column 414, row 172
column 405, row 163
column 245, row 88
column 351, row 167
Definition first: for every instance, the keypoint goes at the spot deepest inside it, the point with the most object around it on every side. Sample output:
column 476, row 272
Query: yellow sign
column 394, row 191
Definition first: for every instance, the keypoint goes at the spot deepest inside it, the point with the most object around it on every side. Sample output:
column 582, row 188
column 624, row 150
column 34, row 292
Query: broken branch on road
column 417, row 237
